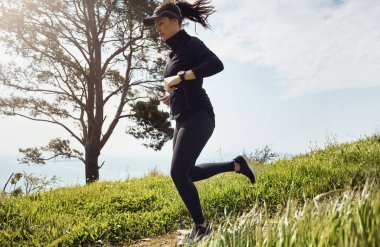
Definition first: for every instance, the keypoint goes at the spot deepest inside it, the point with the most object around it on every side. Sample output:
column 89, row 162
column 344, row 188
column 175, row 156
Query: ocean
column 72, row 172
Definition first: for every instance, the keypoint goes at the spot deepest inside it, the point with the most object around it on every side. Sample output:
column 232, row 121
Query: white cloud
column 313, row 45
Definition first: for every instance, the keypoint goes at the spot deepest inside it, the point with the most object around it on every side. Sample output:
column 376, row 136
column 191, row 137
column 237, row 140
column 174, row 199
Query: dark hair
column 199, row 11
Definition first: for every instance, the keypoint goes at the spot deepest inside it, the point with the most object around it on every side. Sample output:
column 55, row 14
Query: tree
column 263, row 155
column 80, row 57
column 32, row 184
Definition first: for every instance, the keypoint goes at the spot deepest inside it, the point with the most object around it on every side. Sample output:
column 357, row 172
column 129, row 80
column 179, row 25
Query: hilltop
column 120, row 212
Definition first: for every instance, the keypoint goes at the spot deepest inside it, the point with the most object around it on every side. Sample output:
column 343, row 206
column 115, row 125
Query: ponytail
column 199, row 11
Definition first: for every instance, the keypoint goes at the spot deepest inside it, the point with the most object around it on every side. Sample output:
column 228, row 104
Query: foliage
column 82, row 66
column 121, row 211
column 31, row 184
column 151, row 124
column 351, row 219
column 263, row 155
column 58, row 147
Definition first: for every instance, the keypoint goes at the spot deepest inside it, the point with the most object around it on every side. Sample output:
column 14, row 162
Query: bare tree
column 86, row 65
column 263, row 155
column 32, row 184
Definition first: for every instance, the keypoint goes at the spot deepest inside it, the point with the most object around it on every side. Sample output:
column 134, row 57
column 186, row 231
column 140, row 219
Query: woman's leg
column 203, row 171
column 191, row 136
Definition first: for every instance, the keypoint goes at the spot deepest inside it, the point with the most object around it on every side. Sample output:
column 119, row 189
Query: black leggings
column 190, row 136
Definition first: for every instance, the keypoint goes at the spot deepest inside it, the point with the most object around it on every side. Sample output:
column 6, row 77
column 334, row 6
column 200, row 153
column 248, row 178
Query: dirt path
column 162, row 241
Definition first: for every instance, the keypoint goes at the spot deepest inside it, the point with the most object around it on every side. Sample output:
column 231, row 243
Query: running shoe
column 197, row 234
column 245, row 168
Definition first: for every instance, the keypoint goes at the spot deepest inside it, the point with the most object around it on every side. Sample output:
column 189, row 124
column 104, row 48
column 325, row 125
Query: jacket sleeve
column 208, row 63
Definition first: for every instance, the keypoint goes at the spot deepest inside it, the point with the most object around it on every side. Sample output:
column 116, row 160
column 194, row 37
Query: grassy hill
column 121, row 211
column 347, row 219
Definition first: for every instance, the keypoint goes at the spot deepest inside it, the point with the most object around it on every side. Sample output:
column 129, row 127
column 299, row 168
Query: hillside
column 119, row 212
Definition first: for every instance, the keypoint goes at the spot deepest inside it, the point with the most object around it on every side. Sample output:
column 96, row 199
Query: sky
column 298, row 74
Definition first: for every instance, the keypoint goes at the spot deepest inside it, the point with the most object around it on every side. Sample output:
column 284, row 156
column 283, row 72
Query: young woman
column 188, row 63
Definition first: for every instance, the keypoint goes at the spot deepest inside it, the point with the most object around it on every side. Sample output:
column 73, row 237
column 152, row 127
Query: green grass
column 121, row 211
column 351, row 219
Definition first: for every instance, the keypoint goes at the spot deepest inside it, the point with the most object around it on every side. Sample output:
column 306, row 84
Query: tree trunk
column 91, row 163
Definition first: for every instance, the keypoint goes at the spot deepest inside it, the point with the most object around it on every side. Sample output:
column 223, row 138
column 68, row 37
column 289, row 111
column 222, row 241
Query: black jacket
column 190, row 53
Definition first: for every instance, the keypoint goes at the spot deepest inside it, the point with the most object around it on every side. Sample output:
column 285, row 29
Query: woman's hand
column 165, row 100
column 170, row 82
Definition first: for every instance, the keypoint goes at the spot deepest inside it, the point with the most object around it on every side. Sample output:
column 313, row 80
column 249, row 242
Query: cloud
column 313, row 46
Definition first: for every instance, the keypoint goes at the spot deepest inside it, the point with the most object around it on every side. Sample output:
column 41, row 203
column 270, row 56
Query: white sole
column 250, row 167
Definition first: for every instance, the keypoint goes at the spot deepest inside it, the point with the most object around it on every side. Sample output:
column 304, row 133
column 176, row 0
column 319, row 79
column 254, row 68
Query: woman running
column 188, row 63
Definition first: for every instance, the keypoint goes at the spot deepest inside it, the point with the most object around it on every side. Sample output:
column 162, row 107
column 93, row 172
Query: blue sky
column 297, row 74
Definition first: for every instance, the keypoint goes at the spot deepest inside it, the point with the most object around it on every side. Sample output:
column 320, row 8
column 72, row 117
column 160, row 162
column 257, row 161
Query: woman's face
column 166, row 27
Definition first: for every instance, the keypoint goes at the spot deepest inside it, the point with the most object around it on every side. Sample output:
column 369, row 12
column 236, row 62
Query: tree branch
column 53, row 122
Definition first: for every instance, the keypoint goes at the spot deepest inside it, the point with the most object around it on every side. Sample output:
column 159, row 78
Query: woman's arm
column 208, row 63
column 189, row 75
column 172, row 81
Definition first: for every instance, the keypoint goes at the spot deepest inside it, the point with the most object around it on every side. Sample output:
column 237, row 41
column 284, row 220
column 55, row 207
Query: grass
column 121, row 211
column 350, row 219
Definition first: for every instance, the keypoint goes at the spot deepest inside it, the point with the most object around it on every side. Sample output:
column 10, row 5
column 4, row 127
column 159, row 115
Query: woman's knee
column 175, row 173
column 178, row 172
